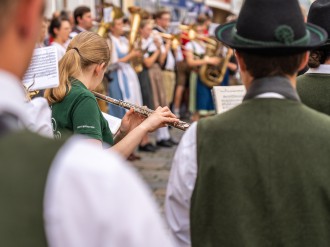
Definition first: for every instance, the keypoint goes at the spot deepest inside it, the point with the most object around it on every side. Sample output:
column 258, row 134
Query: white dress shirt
column 61, row 50
column 170, row 59
column 182, row 183
column 322, row 69
column 34, row 115
column 92, row 197
column 74, row 33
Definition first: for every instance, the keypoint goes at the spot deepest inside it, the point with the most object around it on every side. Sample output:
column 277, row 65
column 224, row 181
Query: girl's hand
column 130, row 121
column 158, row 119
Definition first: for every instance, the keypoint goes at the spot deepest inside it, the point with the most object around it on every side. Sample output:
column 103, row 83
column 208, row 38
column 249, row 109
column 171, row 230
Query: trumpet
column 146, row 112
column 174, row 38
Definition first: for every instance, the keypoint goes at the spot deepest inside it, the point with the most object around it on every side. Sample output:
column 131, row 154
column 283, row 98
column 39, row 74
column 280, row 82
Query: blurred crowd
column 156, row 68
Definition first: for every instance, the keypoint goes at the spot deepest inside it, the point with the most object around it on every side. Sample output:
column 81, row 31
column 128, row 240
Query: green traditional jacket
column 263, row 173
column 314, row 91
column 25, row 159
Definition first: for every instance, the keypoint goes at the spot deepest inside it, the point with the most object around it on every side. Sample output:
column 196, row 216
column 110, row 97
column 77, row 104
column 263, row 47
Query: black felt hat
column 274, row 26
column 319, row 14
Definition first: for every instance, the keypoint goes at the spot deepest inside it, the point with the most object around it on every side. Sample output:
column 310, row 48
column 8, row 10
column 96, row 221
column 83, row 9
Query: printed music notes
column 107, row 15
column 114, row 122
column 227, row 97
column 43, row 70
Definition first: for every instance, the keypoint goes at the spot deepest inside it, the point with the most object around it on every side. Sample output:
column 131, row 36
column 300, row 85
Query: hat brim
column 225, row 33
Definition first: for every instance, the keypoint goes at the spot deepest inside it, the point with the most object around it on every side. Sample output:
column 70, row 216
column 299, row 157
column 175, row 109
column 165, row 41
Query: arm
column 149, row 61
column 192, row 62
column 126, row 143
column 232, row 66
column 180, row 187
column 166, row 51
column 133, row 53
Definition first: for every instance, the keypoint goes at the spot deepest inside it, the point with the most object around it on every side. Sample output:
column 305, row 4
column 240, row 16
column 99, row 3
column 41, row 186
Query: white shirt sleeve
column 179, row 55
column 39, row 120
column 93, row 198
column 189, row 46
column 114, row 56
column 180, row 187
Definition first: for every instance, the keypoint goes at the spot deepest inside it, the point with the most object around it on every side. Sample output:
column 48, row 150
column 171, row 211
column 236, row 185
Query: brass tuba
column 135, row 41
column 212, row 75
column 104, row 26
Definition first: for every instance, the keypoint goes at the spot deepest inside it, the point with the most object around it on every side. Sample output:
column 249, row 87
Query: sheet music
column 43, row 69
column 107, row 15
column 227, row 97
column 114, row 122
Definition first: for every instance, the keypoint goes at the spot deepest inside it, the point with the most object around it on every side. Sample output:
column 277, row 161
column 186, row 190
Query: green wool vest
column 314, row 91
column 263, row 177
column 25, row 159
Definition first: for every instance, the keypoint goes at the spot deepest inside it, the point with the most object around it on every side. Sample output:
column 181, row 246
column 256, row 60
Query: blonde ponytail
column 85, row 49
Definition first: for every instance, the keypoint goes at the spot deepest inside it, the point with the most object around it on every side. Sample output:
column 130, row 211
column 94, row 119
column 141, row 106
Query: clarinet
column 146, row 112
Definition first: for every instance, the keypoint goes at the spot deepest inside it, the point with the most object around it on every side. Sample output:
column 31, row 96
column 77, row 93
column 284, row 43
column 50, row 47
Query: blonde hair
column 85, row 49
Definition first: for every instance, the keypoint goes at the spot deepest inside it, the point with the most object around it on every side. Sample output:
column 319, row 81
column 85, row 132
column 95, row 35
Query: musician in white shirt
column 86, row 203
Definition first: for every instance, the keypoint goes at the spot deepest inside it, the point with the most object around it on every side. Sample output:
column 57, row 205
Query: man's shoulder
column 257, row 112
column 87, row 159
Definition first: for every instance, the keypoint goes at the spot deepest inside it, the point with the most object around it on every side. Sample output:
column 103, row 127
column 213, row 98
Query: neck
column 161, row 27
column 59, row 40
column 87, row 80
column 81, row 27
column 116, row 35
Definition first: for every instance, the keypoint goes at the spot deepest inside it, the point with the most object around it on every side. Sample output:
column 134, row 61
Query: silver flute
column 146, row 112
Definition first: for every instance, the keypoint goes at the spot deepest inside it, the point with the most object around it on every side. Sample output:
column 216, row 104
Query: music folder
column 227, row 97
column 43, row 70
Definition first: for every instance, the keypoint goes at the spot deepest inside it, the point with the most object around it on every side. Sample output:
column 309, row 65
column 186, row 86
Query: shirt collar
column 322, row 69
column 274, row 84
column 77, row 82
column 81, row 29
column 161, row 29
column 12, row 96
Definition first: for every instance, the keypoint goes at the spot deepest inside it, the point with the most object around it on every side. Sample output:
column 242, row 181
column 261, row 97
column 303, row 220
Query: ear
column 304, row 61
column 240, row 61
column 79, row 19
column 28, row 18
column 99, row 68
column 56, row 30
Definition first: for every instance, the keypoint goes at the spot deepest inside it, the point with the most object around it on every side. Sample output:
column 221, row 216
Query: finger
column 159, row 109
column 168, row 114
column 130, row 112
column 165, row 108
column 166, row 120
column 169, row 120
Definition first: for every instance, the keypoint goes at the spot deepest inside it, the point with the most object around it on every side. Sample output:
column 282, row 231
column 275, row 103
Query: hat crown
column 271, row 21
column 319, row 14
column 271, row 27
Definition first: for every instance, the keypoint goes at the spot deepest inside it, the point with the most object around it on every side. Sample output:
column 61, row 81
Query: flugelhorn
column 146, row 112
column 175, row 38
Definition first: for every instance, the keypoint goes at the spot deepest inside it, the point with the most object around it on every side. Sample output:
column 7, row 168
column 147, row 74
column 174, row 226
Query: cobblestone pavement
column 155, row 167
